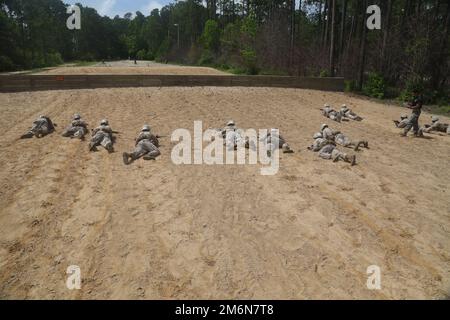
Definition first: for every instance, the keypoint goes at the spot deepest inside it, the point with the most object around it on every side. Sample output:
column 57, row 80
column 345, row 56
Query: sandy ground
column 155, row 230
column 128, row 67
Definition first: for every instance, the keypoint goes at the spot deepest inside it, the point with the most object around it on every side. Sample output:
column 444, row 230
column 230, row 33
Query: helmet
column 231, row 123
column 42, row 116
column 434, row 119
column 326, row 105
column 104, row 122
column 146, row 128
column 318, row 135
column 274, row 131
column 344, row 107
column 76, row 116
column 323, row 127
column 403, row 116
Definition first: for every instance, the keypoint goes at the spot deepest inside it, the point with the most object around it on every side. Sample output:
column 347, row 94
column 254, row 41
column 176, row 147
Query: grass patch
column 438, row 110
column 83, row 63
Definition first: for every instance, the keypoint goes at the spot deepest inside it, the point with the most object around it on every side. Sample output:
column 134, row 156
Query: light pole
column 178, row 34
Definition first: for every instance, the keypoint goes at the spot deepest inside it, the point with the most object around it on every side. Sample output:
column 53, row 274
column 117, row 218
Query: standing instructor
column 413, row 121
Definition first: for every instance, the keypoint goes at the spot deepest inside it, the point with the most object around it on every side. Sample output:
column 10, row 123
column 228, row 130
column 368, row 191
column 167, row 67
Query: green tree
column 210, row 38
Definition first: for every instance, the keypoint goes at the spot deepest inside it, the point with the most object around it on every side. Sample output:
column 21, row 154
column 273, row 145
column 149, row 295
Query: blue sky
column 120, row 7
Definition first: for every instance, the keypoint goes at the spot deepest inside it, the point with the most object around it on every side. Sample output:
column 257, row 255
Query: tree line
column 293, row 37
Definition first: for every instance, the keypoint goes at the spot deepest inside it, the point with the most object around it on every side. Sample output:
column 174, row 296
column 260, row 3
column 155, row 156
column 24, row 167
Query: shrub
column 375, row 86
column 194, row 54
column 6, row 64
column 412, row 84
column 163, row 51
column 350, row 85
column 207, row 58
column 210, row 38
column 249, row 57
column 145, row 55
column 53, row 59
column 324, row 74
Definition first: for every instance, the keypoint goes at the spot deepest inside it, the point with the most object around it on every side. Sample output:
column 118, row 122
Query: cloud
column 149, row 7
column 106, row 7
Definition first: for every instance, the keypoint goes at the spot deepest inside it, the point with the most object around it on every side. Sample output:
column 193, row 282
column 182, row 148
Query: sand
column 128, row 67
column 155, row 230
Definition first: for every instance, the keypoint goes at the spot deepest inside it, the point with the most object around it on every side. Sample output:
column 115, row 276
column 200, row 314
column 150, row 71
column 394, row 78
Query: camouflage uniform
column 327, row 150
column 413, row 120
column 233, row 136
column 347, row 113
column 329, row 112
column 41, row 127
column 327, row 133
column 102, row 135
column 78, row 128
column 331, row 152
column 319, row 143
column 345, row 141
column 341, row 139
column 274, row 140
column 402, row 123
column 147, row 146
column 436, row 126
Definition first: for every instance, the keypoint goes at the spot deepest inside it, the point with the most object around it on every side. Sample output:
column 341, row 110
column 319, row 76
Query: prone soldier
column 42, row 126
column 147, row 147
column 102, row 135
column 77, row 129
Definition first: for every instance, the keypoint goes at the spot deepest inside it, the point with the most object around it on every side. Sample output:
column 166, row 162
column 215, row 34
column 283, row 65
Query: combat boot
column 126, row 158
column 359, row 144
column 110, row 148
column 28, row 135
column 287, row 149
column 336, row 158
column 93, row 146
column 148, row 158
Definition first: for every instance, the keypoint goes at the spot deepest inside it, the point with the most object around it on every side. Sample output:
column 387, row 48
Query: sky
column 112, row 8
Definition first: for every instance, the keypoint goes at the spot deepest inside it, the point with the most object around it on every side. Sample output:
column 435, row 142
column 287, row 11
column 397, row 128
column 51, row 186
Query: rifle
column 28, row 135
column 112, row 131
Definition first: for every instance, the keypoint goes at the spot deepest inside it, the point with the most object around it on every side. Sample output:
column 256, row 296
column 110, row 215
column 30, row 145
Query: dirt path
column 128, row 67
column 155, row 230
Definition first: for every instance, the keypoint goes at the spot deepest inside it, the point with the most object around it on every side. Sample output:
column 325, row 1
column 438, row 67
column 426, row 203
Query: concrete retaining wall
column 18, row 83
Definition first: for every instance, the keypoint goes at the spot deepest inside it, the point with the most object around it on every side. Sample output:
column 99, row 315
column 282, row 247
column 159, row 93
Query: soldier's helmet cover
column 326, row 105
column 434, row 119
column 323, row 127
column 76, row 116
column 344, row 107
column 146, row 128
column 318, row 135
column 404, row 116
column 104, row 122
column 231, row 123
